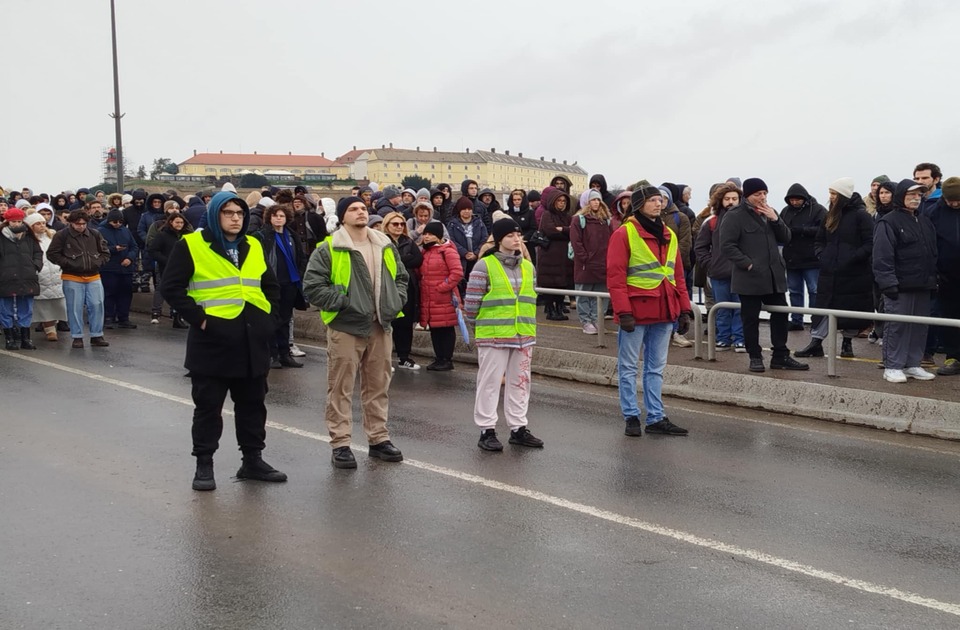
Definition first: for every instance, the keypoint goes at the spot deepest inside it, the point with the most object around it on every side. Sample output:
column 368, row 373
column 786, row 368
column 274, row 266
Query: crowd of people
column 379, row 264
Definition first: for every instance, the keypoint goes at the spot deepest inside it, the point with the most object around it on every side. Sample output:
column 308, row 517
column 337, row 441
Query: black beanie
column 344, row 203
column 114, row 215
column 753, row 185
column 435, row 228
column 640, row 195
column 503, row 227
column 533, row 196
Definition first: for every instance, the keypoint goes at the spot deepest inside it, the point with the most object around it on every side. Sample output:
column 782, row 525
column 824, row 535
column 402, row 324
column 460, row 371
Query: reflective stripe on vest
column 341, row 268
column 218, row 286
column 644, row 269
column 504, row 314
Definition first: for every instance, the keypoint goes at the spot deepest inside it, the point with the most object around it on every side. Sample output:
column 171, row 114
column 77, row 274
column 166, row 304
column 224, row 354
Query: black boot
column 179, row 323
column 253, row 467
column 287, row 360
column 13, row 340
column 25, row 341
column 813, row 349
column 561, row 310
column 203, row 479
column 846, row 348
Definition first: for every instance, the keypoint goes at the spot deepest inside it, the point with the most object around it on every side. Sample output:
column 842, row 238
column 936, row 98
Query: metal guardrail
column 830, row 348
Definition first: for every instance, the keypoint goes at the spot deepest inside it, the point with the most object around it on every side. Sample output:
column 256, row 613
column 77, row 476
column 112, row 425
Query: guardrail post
column 601, row 311
column 831, row 345
column 712, row 333
column 697, row 331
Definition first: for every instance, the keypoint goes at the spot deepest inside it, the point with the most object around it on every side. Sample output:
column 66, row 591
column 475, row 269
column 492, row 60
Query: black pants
column 117, row 295
column 250, row 412
column 444, row 339
column 288, row 296
column 950, row 308
column 750, row 316
column 402, row 336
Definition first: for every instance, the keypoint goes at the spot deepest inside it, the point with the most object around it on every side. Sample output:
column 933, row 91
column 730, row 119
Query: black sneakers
column 813, row 349
column 440, row 365
column 634, row 428
column 756, row 364
column 203, row 480
column 385, row 451
column 522, row 437
column 253, row 467
column 846, row 348
column 665, row 427
column 342, row 457
column 787, row 363
column 489, row 442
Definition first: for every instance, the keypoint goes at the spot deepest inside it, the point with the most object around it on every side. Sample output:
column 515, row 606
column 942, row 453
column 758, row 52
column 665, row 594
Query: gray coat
column 747, row 238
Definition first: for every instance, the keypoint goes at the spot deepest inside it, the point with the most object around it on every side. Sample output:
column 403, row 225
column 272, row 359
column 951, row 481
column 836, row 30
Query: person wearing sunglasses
column 395, row 226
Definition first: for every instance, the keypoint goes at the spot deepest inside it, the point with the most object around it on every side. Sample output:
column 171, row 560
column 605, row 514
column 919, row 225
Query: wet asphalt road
column 100, row 528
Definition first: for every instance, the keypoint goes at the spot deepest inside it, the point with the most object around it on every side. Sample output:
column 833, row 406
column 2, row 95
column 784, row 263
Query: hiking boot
column 489, row 442
column 788, row 363
column 523, row 437
column 99, row 342
column 665, row 427
column 253, row 467
column 12, row 338
column 25, row 342
column 203, row 479
column 951, row 367
column 77, row 343
column 756, row 364
column 342, row 457
column 633, row 429
column 846, row 348
column 918, row 373
column 385, row 451
column 813, row 349
column 289, row 362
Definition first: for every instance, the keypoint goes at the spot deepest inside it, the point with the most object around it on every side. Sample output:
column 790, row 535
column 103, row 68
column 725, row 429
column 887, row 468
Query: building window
column 414, row 167
column 432, row 167
column 398, row 166
column 449, row 167
column 210, row 170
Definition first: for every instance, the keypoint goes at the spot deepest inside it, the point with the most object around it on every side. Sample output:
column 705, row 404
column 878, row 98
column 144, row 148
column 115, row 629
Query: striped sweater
column 479, row 284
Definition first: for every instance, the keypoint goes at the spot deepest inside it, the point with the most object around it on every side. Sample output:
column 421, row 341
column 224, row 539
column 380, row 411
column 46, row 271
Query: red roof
column 351, row 156
column 258, row 159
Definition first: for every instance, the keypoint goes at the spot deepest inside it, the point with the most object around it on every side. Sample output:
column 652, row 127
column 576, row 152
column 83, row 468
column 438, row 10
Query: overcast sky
column 690, row 92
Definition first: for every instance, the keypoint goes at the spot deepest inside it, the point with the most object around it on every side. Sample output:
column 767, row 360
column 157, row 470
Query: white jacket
column 51, row 286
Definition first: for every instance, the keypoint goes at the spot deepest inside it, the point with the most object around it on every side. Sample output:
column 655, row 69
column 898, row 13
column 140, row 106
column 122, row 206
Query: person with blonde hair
column 395, row 226
column 49, row 307
column 590, row 232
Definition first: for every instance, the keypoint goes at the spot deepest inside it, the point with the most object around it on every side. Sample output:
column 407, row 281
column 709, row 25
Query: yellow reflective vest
column 644, row 269
column 340, row 270
column 503, row 313
column 218, row 286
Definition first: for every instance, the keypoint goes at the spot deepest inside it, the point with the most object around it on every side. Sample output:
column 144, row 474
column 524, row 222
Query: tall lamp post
column 116, row 115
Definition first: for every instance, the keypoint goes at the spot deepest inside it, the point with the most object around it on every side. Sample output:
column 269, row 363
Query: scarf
column 287, row 250
column 653, row 226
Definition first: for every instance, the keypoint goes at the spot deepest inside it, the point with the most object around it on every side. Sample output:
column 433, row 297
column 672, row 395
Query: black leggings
column 402, row 336
column 444, row 339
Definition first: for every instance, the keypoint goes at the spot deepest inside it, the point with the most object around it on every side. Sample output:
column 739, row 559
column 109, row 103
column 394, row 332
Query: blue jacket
column 458, row 236
column 147, row 219
column 946, row 221
column 119, row 237
column 195, row 211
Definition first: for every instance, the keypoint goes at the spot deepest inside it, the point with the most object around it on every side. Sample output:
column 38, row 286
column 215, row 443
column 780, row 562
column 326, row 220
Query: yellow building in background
column 304, row 167
column 501, row 172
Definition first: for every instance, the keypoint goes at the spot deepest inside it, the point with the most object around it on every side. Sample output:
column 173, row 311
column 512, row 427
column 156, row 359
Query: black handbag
column 539, row 239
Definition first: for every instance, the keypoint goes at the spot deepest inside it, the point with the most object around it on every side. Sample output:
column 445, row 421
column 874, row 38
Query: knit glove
column 627, row 322
column 683, row 323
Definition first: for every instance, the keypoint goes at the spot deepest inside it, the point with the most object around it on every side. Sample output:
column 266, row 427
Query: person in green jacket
column 356, row 279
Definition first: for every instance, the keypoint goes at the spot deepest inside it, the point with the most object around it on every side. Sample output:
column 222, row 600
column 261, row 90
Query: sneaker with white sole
column 723, row 346
column 296, row 352
column 589, row 329
column 919, row 373
column 739, row 348
column 680, row 341
column 894, row 376
column 155, row 320
column 408, row 364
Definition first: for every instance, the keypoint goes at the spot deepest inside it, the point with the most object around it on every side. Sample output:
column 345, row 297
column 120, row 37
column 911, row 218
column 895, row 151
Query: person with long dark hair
column 284, row 252
column 554, row 268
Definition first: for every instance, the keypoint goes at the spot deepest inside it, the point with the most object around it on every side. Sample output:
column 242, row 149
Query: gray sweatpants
column 903, row 344
column 820, row 330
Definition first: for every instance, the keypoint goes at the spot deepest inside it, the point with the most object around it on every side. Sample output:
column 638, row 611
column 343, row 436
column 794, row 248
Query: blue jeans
column 22, row 304
column 729, row 324
column 84, row 294
column 655, row 339
column 796, row 278
column 587, row 306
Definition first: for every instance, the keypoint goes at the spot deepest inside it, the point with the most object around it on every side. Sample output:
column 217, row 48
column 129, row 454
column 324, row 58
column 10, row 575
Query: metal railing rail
column 830, row 348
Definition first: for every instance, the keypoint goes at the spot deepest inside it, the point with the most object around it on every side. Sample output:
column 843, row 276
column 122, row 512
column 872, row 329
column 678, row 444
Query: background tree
column 171, row 169
column 160, row 165
column 415, row 182
column 252, row 180
column 142, row 172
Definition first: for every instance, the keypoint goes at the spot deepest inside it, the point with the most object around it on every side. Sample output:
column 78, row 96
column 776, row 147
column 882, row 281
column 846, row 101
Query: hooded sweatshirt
column 803, row 222
column 904, row 248
column 607, row 196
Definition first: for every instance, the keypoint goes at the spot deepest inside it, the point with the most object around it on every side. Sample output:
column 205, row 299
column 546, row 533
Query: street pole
column 116, row 115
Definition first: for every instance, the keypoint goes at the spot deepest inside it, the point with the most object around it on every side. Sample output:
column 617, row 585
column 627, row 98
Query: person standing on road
column 358, row 281
column 589, row 238
column 905, row 269
column 646, row 282
column 49, row 307
column 395, row 226
column 750, row 237
column 502, row 303
column 945, row 217
column 160, row 246
column 554, row 268
column 844, row 244
column 21, row 260
column 440, row 276
column 117, row 273
column 218, row 280
column 803, row 216
column 80, row 251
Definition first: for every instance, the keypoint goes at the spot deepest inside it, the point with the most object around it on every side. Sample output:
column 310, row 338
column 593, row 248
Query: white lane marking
column 588, row 510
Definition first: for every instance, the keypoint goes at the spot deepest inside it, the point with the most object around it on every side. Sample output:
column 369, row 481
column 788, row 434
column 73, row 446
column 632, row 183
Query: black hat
column 753, row 185
column 435, row 228
column 114, row 215
column 640, row 195
column 533, row 195
column 503, row 227
column 344, row 203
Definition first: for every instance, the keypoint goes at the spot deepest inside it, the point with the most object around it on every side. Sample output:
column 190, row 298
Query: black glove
column 627, row 322
column 683, row 323
column 891, row 293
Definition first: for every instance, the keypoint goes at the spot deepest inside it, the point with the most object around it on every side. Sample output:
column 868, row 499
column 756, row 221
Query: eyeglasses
column 397, row 223
column 234, row 214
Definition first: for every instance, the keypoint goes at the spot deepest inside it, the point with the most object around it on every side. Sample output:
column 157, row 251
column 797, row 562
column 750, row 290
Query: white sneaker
column 589, row 329
column 919, row 373
column 739, row 347
column 681, row 342
column 894, row 376
column 296, row 352
column 408, row 364
column 155, row 321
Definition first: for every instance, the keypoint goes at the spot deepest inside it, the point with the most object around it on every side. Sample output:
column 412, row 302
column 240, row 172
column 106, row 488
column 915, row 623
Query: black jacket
column 846, row 276
column 524, row 218
column 162, row 244
column 20, row 260
column 227, row 348
column 708, row 251
column 804, row 222
column 946, row 223
column 269, row 242
column 751, row 243
column 904, row 248
column 412, row 258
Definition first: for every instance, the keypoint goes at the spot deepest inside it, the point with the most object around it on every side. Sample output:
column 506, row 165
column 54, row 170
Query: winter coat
column 946, row 223
column 589, row 248
column 21, row 259
column 412, row 259
column 194, row 211
column 846, row 276
column 707, row 249
column 904, row 248
column 479, row 210
column 162, row 244
column 458, row 236
column 269, row 242
column 648, row 306
column 751, row 243
column 149, row 217
column 131, row 218
column 617, row 219
column 416, row 230
column 605, row 193
column 524, row 218
column 803, row 222
column 51, row 286
column 123, row 238
column 78, row 254
column 679, row 223
column 554, row 268
column 440, row 274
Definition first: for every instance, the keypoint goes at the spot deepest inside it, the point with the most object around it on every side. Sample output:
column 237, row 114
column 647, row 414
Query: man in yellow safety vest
column 357, row 280
column 219, row 282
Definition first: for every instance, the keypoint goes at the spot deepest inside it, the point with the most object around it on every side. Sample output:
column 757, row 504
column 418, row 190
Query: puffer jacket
column 20, row 261
column 51, row 286
column 440, row 274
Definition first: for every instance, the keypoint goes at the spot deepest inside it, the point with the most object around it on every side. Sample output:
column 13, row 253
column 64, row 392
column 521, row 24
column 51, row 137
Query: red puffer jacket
column 440, row 273
column 648, row 306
